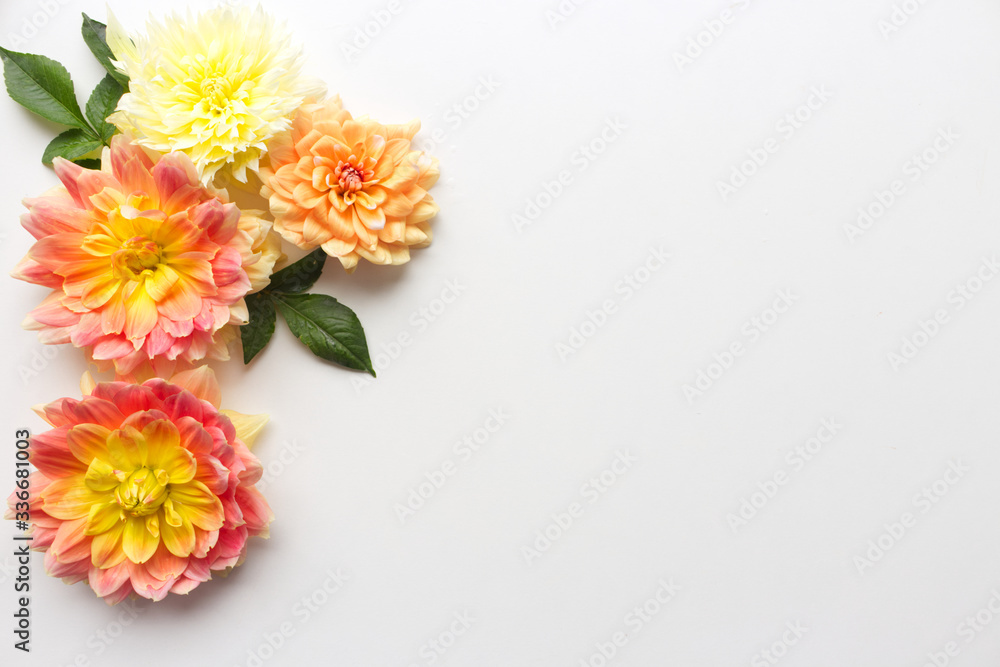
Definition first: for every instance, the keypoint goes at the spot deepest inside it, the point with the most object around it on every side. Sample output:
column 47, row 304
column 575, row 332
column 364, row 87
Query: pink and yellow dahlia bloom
column 353, row 186
column 145, row 489
column 143, row 260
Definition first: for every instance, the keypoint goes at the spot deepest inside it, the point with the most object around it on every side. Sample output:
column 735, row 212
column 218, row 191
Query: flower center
column 216, row 91
column 350, row 178
column 142, row 492
column 136, row 255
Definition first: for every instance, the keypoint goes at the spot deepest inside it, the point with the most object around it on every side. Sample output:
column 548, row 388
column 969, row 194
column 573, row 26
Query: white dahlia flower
column 216, row 86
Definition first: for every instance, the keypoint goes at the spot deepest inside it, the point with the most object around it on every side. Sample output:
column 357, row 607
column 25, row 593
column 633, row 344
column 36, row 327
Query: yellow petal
column 103, row 517
column 69, row 498
column 198, row 505
column 127, row 448
column 87, row 384
column 248, row 427
column 179, row 540
column 101, row 476
column 164, row 452
column 138, row 543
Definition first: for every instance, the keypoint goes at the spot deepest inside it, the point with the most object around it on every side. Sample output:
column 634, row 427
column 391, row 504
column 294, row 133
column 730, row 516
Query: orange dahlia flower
column 353, row 186
column 142, row 259
column 145, row 489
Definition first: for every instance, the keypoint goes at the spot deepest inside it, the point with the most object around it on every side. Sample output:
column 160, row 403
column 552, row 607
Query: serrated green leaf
column 258, row 331
column 42, row 86
column 300, row 276
column 71, row 144
column 88, row 163
column 95, row 35
column 329, row 328
column 102, row 104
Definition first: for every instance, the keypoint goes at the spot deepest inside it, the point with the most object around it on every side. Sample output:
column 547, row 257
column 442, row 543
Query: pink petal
column 82, row 183
column 31, row 271
column 256, row 511
column 107, row 582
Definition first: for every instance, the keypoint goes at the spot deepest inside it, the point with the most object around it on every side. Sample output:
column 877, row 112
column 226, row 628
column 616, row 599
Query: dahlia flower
column 354, row 187
column 145, row 489
column 142, row 259
column 216, row 86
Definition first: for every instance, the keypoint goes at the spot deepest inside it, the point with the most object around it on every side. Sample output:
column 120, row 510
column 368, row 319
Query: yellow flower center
column 217, row 91
column 142, row 492
column 137, row 255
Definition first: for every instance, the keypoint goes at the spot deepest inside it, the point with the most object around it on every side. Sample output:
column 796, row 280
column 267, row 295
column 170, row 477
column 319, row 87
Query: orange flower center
column 142, row 492
column 350, row 177
column 138, row 254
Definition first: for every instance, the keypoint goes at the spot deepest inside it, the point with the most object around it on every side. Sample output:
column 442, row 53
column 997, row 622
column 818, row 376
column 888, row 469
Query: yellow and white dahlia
column 216, row 86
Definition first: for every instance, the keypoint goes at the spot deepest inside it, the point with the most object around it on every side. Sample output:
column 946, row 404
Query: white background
column 353, row 452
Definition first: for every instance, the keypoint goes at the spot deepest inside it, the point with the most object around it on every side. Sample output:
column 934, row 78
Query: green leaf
column 329, row 328
column 300, row 276
column 88, row 164
column 102, row 104
column 258, row 331
column 43, row 86
column 95, row 35
column 71, row 144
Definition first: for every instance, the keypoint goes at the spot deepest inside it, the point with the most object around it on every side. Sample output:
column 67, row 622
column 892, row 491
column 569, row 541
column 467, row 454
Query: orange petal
column 140, row 313
column 202, row 383
column 88, row 442
column 106, row 549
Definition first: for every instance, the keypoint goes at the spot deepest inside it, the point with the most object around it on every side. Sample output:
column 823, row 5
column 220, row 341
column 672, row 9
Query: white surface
column 495, row 347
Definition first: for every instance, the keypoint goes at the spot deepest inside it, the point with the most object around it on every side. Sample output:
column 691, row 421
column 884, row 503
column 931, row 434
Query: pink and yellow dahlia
column 143, row 260
column 145, row 489
column 353, row 186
